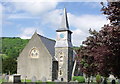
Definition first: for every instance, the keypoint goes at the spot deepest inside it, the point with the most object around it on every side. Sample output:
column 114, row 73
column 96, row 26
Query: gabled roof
column 49, row 44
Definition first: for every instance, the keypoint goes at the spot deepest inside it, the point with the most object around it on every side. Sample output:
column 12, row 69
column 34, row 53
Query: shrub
column 80, row 79
column 98, row 78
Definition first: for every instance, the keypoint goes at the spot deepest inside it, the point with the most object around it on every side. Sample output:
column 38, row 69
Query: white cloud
column 78, row 36
column 85, row 22
column 22, row 16
column 33, row 0
column 93, row 4
column 1, row 12
column 53, row 18
column 81, row 24
column 28, row 32
column 56, row 0
column 34, row 8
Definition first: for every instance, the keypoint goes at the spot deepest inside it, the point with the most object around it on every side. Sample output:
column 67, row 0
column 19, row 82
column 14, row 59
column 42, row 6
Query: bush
column 80, row 79
column 98, row 78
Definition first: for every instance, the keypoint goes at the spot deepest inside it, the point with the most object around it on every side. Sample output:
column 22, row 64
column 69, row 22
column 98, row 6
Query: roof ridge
column 46, row 37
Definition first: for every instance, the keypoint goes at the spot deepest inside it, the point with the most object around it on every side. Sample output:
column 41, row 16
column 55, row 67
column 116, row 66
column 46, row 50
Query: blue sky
column 21, row 19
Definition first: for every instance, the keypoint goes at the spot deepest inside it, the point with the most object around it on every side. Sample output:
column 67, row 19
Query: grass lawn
column 1, row 80
column 25, row 80
column 40, row 82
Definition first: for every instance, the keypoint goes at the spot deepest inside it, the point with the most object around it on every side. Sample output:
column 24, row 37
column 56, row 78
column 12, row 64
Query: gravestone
column 113, row 81
column 34, row 79
column 3, row 76
column 15, row 78
column 105, row 81
column 25, row 77
column 118, row 81
column 56, row 81
column 10, row 78
column 44, row 79
column 7, row 78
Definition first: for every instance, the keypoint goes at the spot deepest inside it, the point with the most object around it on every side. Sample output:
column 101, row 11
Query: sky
column 23, row 18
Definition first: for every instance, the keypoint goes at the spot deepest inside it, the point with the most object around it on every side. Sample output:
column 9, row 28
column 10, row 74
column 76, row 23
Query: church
column 44, row 58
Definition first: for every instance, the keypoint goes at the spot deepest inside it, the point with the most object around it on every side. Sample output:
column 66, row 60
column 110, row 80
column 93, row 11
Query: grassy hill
column 12, row 46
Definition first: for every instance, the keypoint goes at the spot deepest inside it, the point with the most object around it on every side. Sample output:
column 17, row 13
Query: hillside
column 12, row 46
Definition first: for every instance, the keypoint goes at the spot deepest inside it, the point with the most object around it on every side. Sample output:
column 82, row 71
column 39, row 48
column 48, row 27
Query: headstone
column 56, row 81
column 10, row 78
column 76, row 80
column 113, row 81
column 3, row 76
column 44, row 79
column 105, row 81
column 7, row 78
column 24, row 77
column 111, row 77
column 34, row 79
column 17, row 78
column 118, row 81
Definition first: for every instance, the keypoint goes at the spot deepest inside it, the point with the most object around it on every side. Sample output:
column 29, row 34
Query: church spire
column 64, row 22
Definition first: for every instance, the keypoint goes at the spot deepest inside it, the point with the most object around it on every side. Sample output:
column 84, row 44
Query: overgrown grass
column 80, row 79
column 50, row 82
column 2, row 80
column 25, row 80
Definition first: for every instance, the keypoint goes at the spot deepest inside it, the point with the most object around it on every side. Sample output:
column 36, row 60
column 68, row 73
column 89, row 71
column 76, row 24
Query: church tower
column 63, row 50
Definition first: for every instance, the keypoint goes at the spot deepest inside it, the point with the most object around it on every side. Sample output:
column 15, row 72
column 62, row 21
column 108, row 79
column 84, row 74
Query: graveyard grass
column 37, row 81
column 40, row 82
column 2, row 80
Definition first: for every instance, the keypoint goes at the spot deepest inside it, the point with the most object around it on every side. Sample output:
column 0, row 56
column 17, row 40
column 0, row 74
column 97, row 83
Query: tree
column 113, row 34
column 85, row 56
column 11, row 47
column 103, row 47
column 9, row 65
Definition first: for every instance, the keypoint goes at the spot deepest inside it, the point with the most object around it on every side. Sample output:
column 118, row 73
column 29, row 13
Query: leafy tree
column 86, row 55
column 112, row 32
column 103, row 47
column 11, row 47
column 9, row 65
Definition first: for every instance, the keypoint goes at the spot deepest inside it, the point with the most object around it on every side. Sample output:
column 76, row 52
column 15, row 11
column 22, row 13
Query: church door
column 55, row 70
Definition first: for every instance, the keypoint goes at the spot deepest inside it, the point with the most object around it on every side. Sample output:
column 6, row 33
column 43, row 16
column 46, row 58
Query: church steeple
column 63, row 50
column 64, row 22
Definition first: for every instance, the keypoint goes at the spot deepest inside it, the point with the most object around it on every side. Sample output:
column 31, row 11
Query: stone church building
column 44, row 58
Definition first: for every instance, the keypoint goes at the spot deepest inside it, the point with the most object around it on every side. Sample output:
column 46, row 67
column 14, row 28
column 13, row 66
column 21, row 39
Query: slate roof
column 49, row 44
column 64, row 22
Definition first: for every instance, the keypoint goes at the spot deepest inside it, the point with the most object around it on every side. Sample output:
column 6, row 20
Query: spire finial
column 36, row 30
column 64, row 24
